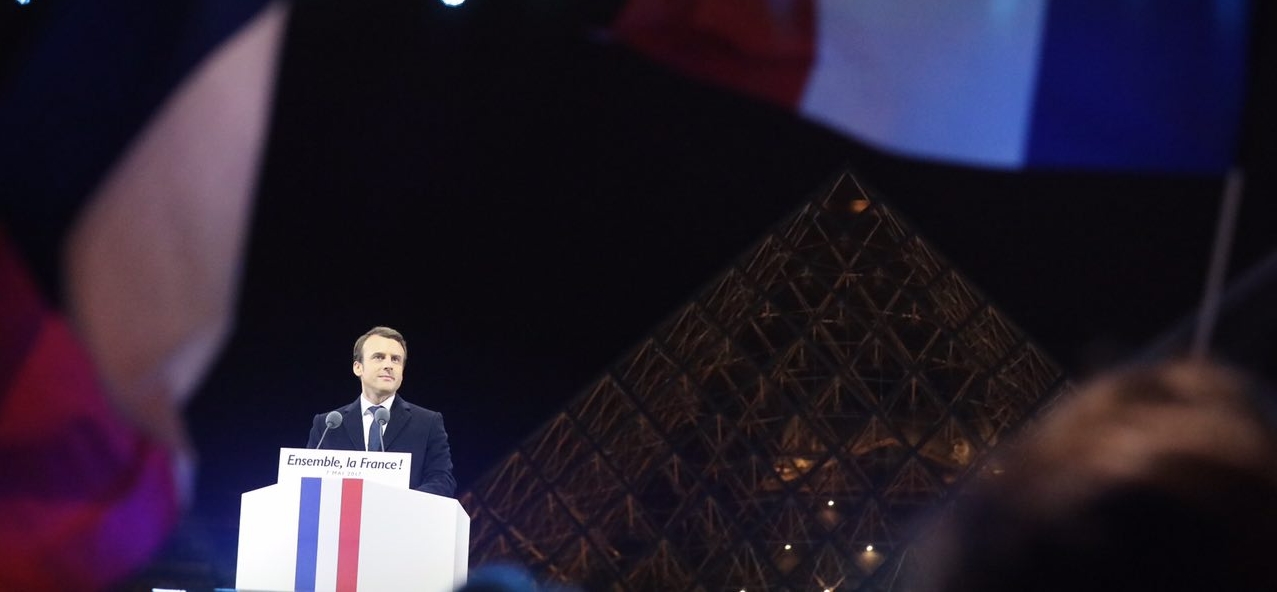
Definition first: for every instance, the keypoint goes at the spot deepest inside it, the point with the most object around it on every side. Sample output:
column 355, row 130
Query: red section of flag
column 352, row 502
column 87, row 499
column 761, row 47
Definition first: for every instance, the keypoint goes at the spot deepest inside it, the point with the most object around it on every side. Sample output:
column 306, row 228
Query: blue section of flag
column 308, row 535
column 1140, row 85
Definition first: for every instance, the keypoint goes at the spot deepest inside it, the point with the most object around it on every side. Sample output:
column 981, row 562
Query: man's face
column 381, row 371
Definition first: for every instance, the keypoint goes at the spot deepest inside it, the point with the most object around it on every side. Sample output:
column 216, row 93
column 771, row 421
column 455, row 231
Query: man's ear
column 358, row 368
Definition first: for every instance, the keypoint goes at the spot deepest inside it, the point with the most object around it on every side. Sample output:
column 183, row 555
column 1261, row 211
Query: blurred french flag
column 1125, row 85
column 130, row 138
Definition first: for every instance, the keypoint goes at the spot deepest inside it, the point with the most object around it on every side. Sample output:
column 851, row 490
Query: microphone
column 381, row 416
column 333, row 420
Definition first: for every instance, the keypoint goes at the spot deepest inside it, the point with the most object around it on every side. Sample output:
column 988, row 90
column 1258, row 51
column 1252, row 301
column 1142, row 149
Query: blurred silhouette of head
column 502, row 577
column 1149, row 478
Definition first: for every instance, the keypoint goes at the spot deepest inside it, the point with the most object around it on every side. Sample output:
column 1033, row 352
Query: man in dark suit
column 379, row 357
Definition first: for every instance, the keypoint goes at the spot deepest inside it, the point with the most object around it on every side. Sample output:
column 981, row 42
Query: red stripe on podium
column 352, row 501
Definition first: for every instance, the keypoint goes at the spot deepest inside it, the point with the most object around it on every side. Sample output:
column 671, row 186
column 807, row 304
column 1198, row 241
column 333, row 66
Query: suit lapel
column 399, row 418
column 353, row 420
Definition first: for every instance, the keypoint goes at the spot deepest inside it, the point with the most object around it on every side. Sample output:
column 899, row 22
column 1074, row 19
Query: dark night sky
column 525, row 203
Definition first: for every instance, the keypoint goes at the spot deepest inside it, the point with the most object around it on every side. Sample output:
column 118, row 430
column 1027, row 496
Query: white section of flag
column 933, row 78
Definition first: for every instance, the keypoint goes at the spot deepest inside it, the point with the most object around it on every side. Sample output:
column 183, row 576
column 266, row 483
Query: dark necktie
column 374, row 431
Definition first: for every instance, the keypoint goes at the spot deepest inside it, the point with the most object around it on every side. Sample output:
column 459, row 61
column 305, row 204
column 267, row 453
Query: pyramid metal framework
column 782, row 430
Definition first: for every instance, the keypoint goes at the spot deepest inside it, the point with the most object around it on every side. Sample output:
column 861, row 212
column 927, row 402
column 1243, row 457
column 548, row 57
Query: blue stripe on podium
column 308, row 535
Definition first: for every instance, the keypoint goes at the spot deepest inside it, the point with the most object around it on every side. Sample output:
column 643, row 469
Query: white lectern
column 345, row 529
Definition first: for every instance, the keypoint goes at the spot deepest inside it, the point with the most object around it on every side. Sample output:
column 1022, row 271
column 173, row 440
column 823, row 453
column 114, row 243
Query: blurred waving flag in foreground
column 1035, row 84
column 132, row 135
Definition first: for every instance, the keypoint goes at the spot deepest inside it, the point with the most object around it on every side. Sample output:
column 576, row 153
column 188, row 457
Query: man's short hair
column 1119, row 488
column 386, row 332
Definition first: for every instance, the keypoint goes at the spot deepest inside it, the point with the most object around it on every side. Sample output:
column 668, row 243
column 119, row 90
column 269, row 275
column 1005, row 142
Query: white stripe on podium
column 329, row 529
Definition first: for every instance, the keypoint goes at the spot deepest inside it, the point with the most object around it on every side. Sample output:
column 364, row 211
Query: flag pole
column 1213, row 290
